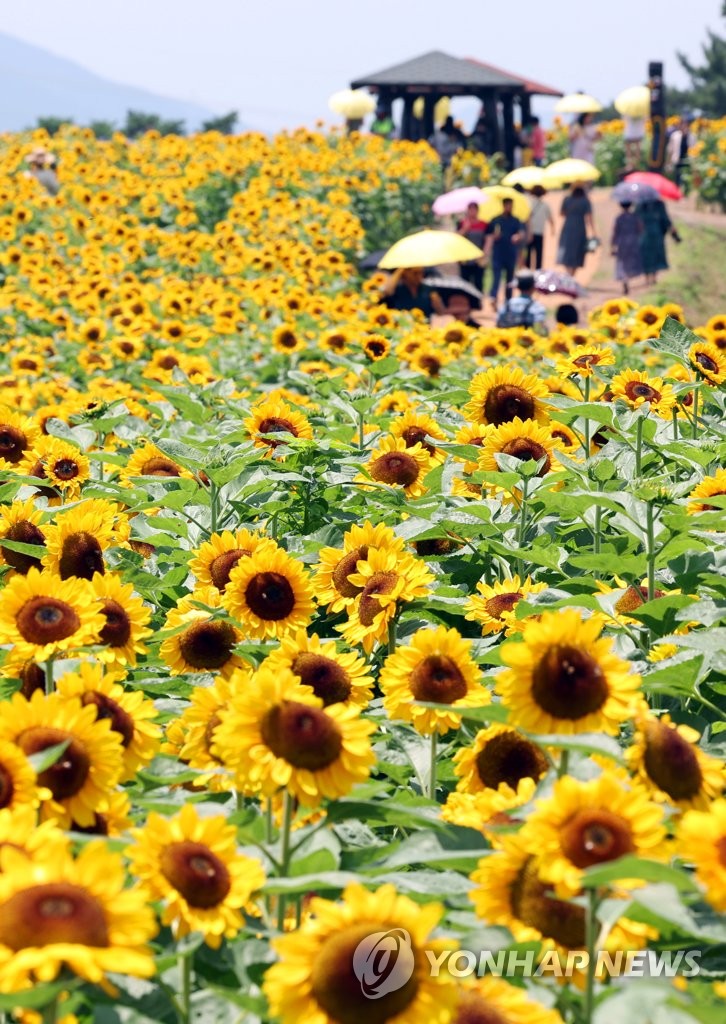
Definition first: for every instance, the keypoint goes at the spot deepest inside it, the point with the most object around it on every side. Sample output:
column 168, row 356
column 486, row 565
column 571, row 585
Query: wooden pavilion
column 437, row 74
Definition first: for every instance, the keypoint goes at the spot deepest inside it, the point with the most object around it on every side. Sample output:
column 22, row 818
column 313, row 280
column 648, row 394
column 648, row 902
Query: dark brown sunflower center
column 32, row 677
column 159, row 466
column 507, row 401
column 417, row 435
column 705, row 362
column 438, row 679
column 7, row 787
column 66, row 469
column 209, row 728
column 500, row 604
column 597, row 835
column 638, row 389
column 99, row 826
column 369, row 606
column 584, row 361
column 555, row 919
column 207, row 644
column 525, row 448
column 303, row 736
column 671, row 762
column 13, row 443
column 68, row 774
column 121, row 721
column 328, row 679
column 57, row 912
column 270, row 596
column 81, row 556
column 276, row 425
column 46, row 620
column 117, row 629
column 23, row 532
column 337, row 989
column 196, row 872
column 474, row 1009
column 345, row 567
column 287, row 339
column 376, row 348
column 168, row 362
column 568, row 683
column 509, row 757
column 222, row 566
column 395, row 468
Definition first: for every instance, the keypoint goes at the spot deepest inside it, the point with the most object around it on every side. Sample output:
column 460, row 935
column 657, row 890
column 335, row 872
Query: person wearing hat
column 41, row 168
column 523, row 310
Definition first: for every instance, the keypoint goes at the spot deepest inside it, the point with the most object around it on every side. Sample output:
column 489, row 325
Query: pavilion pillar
column 427, row 127
column 408, row 121
column 508, row 124
column 491, row 117
column 524, row 108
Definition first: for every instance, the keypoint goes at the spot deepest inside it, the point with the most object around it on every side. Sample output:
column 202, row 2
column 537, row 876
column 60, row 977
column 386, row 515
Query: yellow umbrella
column 492, row 205
column 578, row 103
column 527, row 177
column 429, row 249
column 353, row 104
column 564, row 172
column 634, row 102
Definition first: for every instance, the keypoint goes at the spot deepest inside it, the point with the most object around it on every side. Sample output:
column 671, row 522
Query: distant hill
column 36, row 83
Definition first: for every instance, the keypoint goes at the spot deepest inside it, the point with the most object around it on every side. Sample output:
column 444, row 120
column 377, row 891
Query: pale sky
column 278, row 61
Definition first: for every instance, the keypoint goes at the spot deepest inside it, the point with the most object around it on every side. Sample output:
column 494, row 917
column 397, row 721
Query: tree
column 53, row 124
column 708, row 82
column 102, row 129
column 225, row 124
column 138, row 122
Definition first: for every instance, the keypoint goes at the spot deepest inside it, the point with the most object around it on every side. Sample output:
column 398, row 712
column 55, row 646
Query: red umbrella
column 663, row 186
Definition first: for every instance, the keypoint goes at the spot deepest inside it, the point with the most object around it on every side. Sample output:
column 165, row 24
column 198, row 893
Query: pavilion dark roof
column 441, row 71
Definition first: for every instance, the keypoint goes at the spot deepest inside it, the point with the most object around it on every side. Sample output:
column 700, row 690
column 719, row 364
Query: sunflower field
column 322, row 627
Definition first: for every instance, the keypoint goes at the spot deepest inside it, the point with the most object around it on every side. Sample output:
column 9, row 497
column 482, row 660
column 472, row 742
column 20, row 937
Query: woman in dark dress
column 625, row 246
column 577, row 213
column 656, row 225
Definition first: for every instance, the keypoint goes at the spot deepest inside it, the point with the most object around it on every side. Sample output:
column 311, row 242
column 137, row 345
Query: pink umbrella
column 458, row 200
column 663, row 186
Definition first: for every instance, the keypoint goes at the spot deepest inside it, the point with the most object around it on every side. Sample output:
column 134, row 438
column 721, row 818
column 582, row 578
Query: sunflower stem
column 587, row 421
column 522, row 530
column 49, row 681
column 675, row 423
column 597, row 530
column 392, row 635
column 186, row 988
column 638, row 445
column 695, row 413
column 214, row 505
column 432, row 765
column 49, row 1013
column 590, row 933
column 284, row 855
column 564, row 764
column 650, row 548
column 361, row 430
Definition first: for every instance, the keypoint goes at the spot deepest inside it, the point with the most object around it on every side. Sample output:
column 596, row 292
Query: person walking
column 41, row 168
column 679, row 143
column 656, row 225
column 583, row 136
column 540, row 217
column 576, row 213
column 471, row 226
column 504, row 236
column 625, row 246
column 538, row 142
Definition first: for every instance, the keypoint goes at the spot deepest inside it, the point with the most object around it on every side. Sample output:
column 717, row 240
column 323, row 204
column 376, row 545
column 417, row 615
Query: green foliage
column 224, row 124
column 138, row 123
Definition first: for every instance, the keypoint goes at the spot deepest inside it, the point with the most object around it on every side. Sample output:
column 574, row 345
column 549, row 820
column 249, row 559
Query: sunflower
column 505, row 393
column 20, row 830
column 130, row 713
column 500, row 761
column 494, row 607
column 636, row 388
column 273, row 417
column 708, row 361
column 202, row 642
column 18, row 786
column 41, row 615
column 386, row 579
column 334, row 677
column 667, row 760
column 337, row 340
column 112, row 817
column 191, row 736
column 212, row 563
column 491, row 1000
column 415, row 427
column 589, row 823
column 584, row 361
column 397, row 465
column 75, row 784
column 565, row 438
column 59, row 463
column 59, row 913
column 284, row 339
column 125, row 618
column 335, row 565
column 269, row 594
column 20, row 523
column 523, row 440
column 565, row 678
column 436, row 667
column 317, row 977
column 77, row 539
column 192, row 865
column 376, row 347
column 701, row 839
column 148, row 460
column 277, row 734
column 18, row 435
column 709, row 487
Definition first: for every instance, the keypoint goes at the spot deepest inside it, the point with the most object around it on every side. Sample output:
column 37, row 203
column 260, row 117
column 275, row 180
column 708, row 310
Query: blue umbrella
column 634, row 192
